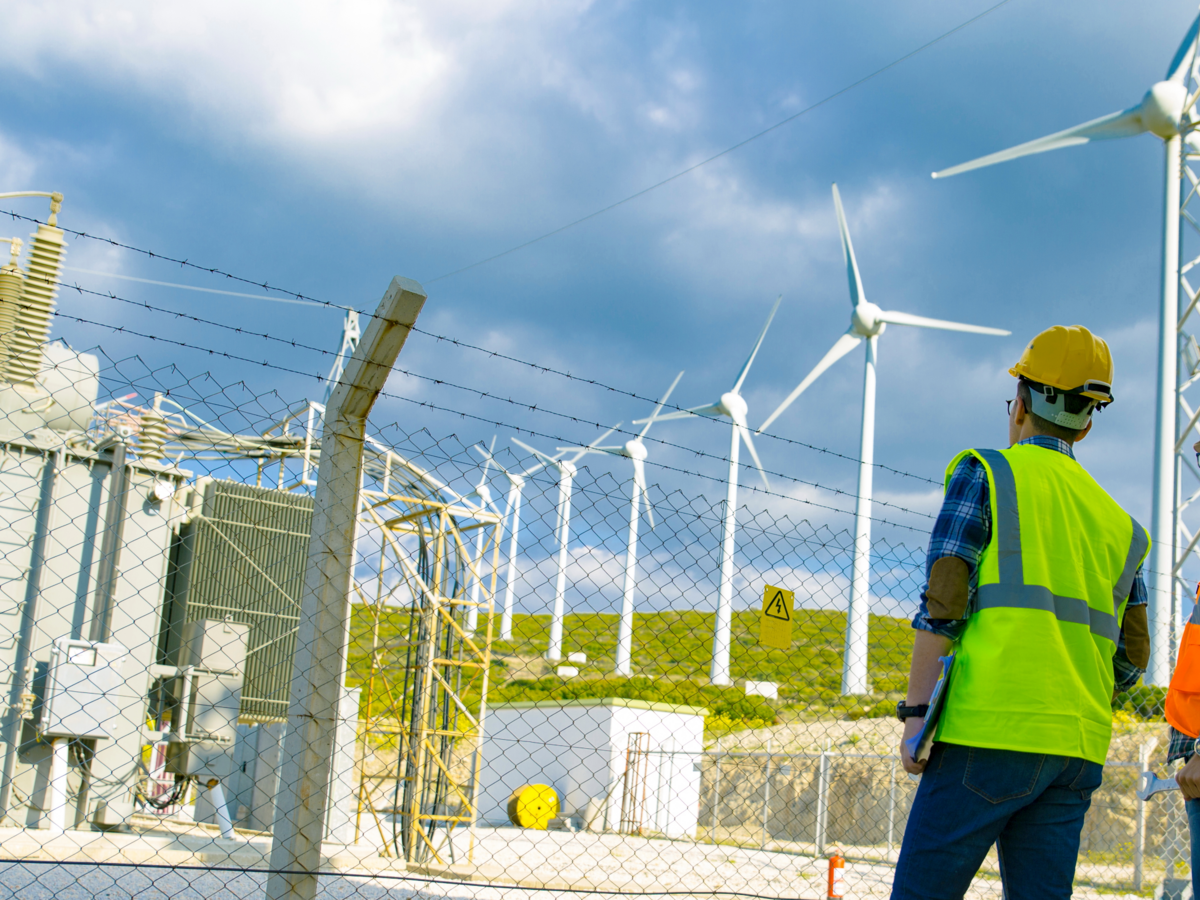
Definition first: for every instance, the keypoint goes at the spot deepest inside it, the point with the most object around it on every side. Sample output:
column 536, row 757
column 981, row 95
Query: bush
column 1144, row 701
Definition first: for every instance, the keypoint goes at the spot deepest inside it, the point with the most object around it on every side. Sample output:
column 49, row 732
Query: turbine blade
column 744, row 431
column 844, row 345
column 737, row 385
column 582, row 450
column 901, row 318
column 661, row 403
column 1125, row 123
column 546, row 460
column 708, row 409
column 1177, row 71
column 856, row 288
column 639, row 479
column 487, row 461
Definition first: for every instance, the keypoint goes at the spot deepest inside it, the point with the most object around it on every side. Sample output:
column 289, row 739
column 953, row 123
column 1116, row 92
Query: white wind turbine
column 635, row 451
column 484, row 494
column 566, row 476
column 1160, row 113
column 730, row 406
column 867, row 322
column 512, row 513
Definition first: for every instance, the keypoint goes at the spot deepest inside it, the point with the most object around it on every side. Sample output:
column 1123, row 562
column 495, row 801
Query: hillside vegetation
column 671, row 656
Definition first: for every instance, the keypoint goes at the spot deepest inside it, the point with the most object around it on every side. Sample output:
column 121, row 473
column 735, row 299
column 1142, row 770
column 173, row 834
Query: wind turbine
column 867, row 322
column 1160, row 113
column 512, row 509
column 635, row 451
column 484, row 495
column 732, row 406
column 566, row 476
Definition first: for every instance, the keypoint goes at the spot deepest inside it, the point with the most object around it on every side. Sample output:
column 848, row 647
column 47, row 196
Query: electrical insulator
column 32, row 328
column 12, row 285
column 152, row 434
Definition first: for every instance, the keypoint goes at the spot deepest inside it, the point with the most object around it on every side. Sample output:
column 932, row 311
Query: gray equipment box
column 81, row 689
column 212, row 707
column 214, row 645
column 202, row 761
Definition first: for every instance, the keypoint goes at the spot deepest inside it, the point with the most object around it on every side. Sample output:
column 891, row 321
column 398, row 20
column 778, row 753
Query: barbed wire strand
column 121, row 329
column 540, row 367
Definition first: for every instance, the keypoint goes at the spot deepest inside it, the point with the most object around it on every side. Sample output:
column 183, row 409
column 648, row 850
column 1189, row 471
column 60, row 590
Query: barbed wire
column 486, row 395
column 121, row 329
column 539, row 367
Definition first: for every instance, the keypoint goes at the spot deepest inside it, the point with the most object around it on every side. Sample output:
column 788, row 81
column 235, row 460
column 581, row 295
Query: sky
column 329, row 147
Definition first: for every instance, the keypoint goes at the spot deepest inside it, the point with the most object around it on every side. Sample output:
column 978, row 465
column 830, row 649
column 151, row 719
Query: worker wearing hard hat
column 1034, row 582
column 1183, row 713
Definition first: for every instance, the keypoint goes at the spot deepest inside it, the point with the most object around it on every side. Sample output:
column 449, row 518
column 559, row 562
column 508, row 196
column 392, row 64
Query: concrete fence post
column 320, row 659
column 822, row 799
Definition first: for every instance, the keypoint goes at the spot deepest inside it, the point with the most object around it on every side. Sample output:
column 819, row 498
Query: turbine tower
column 484, row 495
column 867, row 323
column 635, row 451
column 512, row 513
column 1166, row 111
column 731, row 406
column 566, row 477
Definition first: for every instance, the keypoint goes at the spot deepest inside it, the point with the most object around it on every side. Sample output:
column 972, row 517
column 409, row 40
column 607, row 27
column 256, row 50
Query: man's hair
column 1072, row 403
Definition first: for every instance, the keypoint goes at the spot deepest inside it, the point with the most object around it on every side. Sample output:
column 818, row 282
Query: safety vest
column 1183, row 696
column 1033, row 669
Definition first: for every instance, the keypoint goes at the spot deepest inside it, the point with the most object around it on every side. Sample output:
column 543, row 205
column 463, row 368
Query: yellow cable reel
column 533, row 806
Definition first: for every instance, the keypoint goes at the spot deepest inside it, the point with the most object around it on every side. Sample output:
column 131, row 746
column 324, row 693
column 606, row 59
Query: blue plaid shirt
column 964, row 528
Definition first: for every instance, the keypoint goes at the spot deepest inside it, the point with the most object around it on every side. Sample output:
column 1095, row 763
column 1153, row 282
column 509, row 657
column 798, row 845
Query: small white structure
column 638, row 761
column 767, row 689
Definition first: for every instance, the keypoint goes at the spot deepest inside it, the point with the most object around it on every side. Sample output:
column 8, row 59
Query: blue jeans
column 1030, row 805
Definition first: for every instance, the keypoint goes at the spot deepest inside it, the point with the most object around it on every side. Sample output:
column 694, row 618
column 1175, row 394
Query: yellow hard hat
column 1070, row 358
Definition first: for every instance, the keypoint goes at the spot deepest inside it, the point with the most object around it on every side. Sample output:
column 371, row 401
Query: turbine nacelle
column 635, row 449
column 1161, row 110
column 732, row 404
column 866, row 320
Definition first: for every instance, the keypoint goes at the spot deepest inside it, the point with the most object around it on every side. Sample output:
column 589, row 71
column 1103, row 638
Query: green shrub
column 1144, row 701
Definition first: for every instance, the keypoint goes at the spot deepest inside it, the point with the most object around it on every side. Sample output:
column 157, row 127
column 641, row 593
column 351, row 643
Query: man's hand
column 1189, row 778
column 912, row 727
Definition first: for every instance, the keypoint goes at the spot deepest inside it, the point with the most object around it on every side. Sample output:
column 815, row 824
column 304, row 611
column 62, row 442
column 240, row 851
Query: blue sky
column 329, row 147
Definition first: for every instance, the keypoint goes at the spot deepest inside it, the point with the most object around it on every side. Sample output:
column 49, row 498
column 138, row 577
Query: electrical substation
column 154, row 608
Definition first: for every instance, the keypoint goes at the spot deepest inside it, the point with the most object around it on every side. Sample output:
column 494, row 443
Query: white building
column 639, row 761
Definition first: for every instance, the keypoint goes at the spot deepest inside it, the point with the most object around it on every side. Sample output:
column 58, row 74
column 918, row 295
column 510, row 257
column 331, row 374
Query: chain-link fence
column 525, row 697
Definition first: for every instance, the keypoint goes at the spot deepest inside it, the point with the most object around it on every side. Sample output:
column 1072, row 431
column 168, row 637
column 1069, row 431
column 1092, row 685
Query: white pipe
column 216, row 796
column 719, row 673
column 854, row 656
column 566, row 475
column 57, row 814
column 1162, row 518
column 511, row 580
column 625, row 631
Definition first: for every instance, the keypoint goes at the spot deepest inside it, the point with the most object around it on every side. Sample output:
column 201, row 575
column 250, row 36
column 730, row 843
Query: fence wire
column 526, row 704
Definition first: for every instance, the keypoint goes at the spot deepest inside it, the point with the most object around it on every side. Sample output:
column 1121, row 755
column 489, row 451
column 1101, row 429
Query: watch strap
column 903, row 711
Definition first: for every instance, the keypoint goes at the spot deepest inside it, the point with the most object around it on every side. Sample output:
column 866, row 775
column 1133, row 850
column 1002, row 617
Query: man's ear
column 1084, row 432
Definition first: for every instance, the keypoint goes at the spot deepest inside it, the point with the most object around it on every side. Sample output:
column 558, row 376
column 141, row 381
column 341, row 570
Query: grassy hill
column 671, row 655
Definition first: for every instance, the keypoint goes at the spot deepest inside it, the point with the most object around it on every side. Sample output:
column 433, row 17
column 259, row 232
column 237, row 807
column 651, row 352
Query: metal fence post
column 766, row 809
column 891, row 808
column 319, row 666
column 1139, row 841
column 716, row 806
column 822, row 799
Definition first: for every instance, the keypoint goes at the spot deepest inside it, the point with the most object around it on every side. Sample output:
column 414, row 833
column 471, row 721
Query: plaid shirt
column 964, row 528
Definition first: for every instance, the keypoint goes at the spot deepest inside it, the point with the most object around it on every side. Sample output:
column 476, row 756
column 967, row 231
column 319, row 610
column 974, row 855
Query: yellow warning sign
column 775, row 622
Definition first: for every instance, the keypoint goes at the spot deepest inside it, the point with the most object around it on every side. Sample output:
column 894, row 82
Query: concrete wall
column 580, row 749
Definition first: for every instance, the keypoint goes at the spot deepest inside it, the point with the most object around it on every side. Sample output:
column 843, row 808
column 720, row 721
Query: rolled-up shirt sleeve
column 962, row 530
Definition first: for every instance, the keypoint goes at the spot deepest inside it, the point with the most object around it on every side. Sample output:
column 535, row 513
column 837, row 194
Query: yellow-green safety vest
column 1033, row 670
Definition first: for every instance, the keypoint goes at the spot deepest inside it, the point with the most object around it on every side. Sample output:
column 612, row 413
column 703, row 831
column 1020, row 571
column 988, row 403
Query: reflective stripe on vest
column 1034, row 666
column 1012, row 591
column 1183, row 696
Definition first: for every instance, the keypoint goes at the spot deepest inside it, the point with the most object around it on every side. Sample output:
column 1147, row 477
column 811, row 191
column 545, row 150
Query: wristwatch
column 911, row 712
